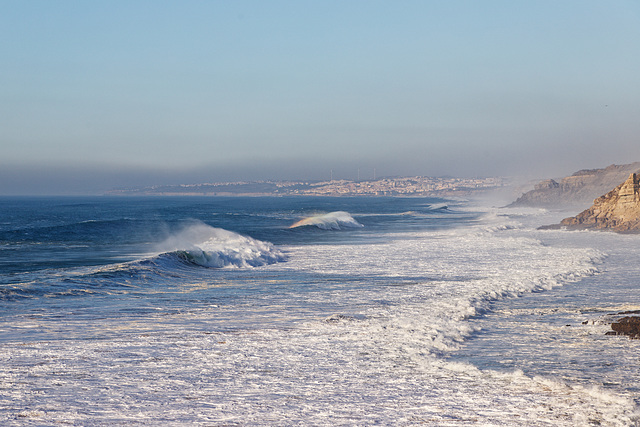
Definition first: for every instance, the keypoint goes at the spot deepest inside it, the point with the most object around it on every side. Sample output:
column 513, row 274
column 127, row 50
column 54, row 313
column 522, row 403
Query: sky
column 112, row 94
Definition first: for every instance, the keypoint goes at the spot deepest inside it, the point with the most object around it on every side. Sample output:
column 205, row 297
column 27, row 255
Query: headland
column 618, row 210
column 578, row 190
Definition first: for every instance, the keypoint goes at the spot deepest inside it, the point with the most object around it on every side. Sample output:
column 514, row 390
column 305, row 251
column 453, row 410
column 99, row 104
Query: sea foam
column 330, row 221
column 208, row 246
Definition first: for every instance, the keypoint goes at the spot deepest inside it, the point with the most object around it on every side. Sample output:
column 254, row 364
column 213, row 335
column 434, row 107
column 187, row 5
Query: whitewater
column 311, row 311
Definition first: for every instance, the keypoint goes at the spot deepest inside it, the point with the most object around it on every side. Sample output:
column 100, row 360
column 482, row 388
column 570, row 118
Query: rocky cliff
column 618, row 210
column 578, row 189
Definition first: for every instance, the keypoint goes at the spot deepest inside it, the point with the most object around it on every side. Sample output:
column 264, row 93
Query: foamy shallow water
column 459, row 325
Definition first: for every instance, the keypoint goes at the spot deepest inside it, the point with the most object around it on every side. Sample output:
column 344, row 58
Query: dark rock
column 630, row 312
column 550, row 227
column 629, row 326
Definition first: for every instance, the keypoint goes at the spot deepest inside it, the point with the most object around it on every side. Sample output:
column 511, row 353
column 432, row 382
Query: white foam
column 378, row 357
column 208, row 246
column 329, row 221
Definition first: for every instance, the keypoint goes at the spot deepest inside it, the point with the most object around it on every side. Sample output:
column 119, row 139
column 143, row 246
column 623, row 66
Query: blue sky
column 95, row 95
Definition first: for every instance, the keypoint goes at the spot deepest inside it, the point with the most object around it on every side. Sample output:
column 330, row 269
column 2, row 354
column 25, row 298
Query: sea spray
column 330, row 221
column 208, row 246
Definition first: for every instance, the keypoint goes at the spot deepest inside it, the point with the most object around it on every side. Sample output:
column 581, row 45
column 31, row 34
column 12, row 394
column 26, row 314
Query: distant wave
column 439, row 206
column 197, row 245
column 330, row 221
column 208, row 246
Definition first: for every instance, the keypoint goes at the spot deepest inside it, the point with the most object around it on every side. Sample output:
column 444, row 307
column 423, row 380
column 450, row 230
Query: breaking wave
column 330, row 221
column 208, row 246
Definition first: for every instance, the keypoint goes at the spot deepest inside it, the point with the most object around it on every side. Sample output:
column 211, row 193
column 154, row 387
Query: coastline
column 400, row 186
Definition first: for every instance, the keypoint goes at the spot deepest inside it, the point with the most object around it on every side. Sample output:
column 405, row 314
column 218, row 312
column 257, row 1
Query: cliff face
column 618, row 210
column 578, row 189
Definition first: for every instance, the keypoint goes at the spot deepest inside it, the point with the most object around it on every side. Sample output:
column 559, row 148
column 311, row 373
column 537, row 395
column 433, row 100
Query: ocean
column 311, row 311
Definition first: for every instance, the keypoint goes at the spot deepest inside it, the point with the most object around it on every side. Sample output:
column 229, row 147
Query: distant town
column 396, row 186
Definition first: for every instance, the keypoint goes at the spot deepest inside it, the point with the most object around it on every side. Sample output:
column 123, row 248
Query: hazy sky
column 102, row 94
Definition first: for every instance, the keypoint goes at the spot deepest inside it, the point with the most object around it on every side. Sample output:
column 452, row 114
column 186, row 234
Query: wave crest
column 330, row 221
column 208, row 246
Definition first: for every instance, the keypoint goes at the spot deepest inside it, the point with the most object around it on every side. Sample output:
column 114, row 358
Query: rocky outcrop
column 578, row 189
column 629, row 326
column 618, row 210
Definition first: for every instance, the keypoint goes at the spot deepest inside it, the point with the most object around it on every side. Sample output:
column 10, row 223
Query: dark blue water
column 39, row 233
column 106, row 257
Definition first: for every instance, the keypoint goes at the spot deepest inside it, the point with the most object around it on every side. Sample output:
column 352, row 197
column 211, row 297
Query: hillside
column 579, row 189
column 618, row 210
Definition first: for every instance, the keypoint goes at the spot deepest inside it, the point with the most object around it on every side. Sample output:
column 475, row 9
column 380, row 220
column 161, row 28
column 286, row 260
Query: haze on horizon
column 99, row 95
